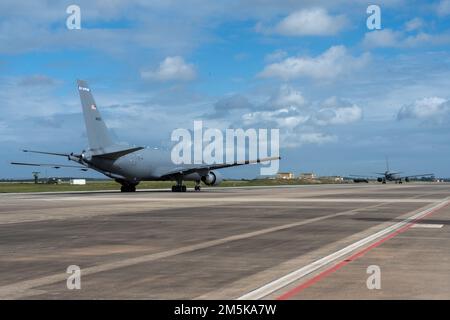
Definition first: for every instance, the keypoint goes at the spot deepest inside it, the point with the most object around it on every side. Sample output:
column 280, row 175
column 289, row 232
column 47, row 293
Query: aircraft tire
column 178, row 188
column 128, row 189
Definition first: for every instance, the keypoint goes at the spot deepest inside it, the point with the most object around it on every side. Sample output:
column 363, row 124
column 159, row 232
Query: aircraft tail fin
column 98, row 134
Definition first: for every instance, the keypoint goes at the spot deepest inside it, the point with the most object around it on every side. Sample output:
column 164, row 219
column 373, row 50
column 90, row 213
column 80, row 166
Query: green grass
column 8, row 187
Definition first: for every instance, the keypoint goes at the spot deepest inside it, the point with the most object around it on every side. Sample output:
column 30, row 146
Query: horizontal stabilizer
column 50, row 153
column 115, row 152
column 52, row 165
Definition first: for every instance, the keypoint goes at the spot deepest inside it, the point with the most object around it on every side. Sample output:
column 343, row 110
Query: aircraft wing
column 360, row 176
column 216, row 166
column 418, row 175
column 52, row 165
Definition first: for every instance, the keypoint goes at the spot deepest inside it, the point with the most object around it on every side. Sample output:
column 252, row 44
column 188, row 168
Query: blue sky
column 342, row 96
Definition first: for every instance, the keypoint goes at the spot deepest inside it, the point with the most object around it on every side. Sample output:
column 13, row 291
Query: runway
column 303, row 242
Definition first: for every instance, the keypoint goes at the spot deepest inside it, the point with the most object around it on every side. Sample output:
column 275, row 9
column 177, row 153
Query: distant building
column 285, row 175
column 307, row 176
column 78, row 181
column 334, row 178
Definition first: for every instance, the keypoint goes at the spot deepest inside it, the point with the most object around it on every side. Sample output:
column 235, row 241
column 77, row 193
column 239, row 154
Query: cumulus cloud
column 171, row 69
column 301, row 122
column 277, row 55
column 29, row 96
column 317, row 138
column 310, row 22
column 432, row 108
column 388, row 38
column 298, row 138
column 414, row 24
column 287, row 96
column 286, row 118
column 381, row 38
column 332, row 63
column 225, row 105
column 336, row 111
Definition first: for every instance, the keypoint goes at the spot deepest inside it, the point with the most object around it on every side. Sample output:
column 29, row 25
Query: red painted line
column 355, row 256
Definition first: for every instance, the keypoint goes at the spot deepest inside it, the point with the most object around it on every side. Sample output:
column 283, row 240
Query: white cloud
column 287, row 97
column 432, row 108
column 277, row 55
column 335, row 111
column 343, row 115
column 224, row 106
column 329, row 65
column 423, row 38
column 414, row 24
column 310, row 22
column 316, row 138
column 285, row 119
column 171, row 69
column 301, row 122
column 381, row 38
column 388, row 38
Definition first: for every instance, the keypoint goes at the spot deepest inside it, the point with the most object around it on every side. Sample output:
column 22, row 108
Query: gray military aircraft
column 389, row 176
column 128, row 165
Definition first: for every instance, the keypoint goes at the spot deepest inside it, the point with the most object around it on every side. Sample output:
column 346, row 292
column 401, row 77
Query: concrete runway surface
column 302, row 242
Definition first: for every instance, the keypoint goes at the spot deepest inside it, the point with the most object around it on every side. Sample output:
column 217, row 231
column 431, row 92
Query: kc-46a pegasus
column 128, row 165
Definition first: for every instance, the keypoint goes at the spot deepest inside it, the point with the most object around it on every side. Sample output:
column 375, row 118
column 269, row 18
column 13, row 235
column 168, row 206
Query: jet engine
column 380, row 180
column 212, row 179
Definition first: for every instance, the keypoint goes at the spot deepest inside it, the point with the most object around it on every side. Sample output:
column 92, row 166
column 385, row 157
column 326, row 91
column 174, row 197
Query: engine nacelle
column 212, row 178
column 380, row 180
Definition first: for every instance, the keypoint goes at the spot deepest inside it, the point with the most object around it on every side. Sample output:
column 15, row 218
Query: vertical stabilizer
column 98, row 135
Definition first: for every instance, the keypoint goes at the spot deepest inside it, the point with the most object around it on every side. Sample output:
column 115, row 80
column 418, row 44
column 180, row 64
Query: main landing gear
column 179, row 187
column 127, row 186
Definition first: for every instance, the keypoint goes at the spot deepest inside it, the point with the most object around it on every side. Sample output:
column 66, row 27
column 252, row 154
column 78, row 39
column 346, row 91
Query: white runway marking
column 26, row 288
column 246, row 199
column 284, row 281
column 332, row 186
column 427, row 225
